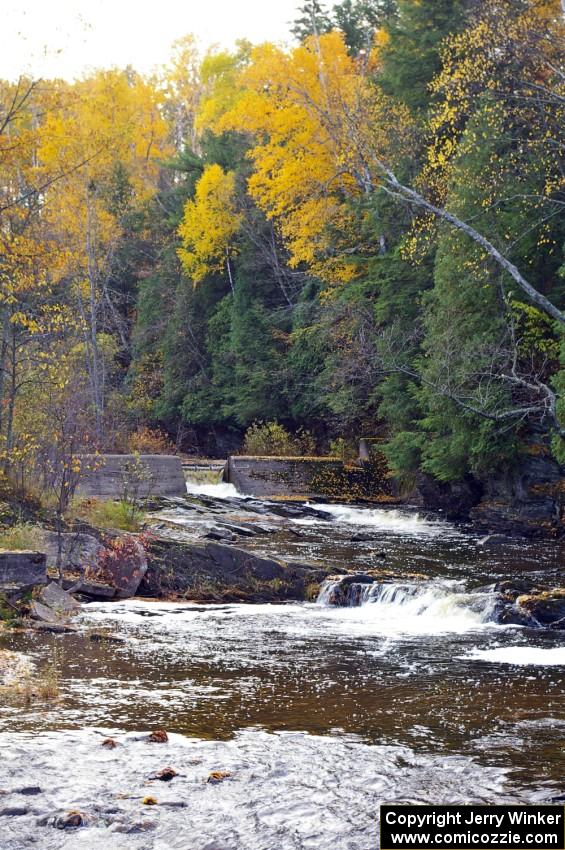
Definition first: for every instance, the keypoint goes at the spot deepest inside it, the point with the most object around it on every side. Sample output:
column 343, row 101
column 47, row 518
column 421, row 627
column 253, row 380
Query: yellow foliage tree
column 210, row 224
column 311, row 114
column 108, row 137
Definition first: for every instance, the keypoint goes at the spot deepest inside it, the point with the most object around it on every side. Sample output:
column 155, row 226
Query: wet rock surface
column 198, row 551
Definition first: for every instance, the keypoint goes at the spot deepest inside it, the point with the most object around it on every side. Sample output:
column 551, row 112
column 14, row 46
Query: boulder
column 212, row 572
column 514, row 587
column 91, row 589
column 220, row 534
column 78, row 551
column 512, row 615
column 20, row 571
column 546, row 608
column 58, row 600
column 357, row 578
column 232, row 560
column 39, row 611
column 127, row 570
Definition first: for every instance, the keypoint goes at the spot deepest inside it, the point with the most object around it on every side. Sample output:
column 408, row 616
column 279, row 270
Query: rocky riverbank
column 206, row 549
column 210, row 550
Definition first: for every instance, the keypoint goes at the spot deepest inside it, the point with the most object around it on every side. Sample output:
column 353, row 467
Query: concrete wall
column 278, row 476
column 163, row 476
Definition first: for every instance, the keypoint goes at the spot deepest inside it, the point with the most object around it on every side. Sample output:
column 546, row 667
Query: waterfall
column 411, row 606
column 206, row 478
column 348, row 594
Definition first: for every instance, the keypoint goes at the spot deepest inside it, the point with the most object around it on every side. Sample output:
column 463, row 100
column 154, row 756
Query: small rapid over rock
column 424, row 606
column 443, row 604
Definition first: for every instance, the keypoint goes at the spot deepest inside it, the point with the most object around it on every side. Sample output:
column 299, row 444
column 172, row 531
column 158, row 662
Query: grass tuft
column 22, row 537
column 108, row 514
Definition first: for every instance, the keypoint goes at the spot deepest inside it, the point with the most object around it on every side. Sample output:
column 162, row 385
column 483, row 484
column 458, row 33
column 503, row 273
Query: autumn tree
column 115, row 118
column 209, row 225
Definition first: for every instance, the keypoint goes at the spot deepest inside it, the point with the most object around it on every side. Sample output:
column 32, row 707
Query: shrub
column 346, row 450
column 273, row 440
column 150, row 441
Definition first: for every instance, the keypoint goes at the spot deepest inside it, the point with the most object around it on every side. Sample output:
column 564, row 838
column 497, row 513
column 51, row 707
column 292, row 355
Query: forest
column 357, row 235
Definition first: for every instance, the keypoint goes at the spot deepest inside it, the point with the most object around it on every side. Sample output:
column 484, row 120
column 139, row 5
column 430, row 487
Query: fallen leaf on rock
column 165, row 775
column 218, row 776
column 159, row 736
column 72, row 820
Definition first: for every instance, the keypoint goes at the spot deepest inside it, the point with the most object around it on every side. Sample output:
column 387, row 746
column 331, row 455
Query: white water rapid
column 411, row 608
column 383, row 519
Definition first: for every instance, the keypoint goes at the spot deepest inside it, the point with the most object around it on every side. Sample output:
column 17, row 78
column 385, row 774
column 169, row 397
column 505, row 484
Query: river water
column 319, row 714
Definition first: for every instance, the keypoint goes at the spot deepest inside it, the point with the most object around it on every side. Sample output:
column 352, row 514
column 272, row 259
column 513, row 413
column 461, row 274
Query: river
column 319, row 714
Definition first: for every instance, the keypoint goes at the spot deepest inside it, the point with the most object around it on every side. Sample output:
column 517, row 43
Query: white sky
column 63, row 38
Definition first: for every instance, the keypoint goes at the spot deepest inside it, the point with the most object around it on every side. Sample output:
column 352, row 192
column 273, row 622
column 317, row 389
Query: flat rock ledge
column 212, row 572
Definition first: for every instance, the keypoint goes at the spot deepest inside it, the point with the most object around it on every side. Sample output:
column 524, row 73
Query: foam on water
column 521, row 655
column 393, row 521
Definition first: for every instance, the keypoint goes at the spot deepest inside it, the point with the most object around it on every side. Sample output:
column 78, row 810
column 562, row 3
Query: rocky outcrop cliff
column 528, row 498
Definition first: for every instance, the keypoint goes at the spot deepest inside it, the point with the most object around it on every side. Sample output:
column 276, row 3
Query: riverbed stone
column 220, row 534
column 54, row 628
column 546, row 608
column 92, row 590
column 357, row 578
column 102, row 637
column 219, row 572
column 513, row 615
column 14, row 811
column 71, row 820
